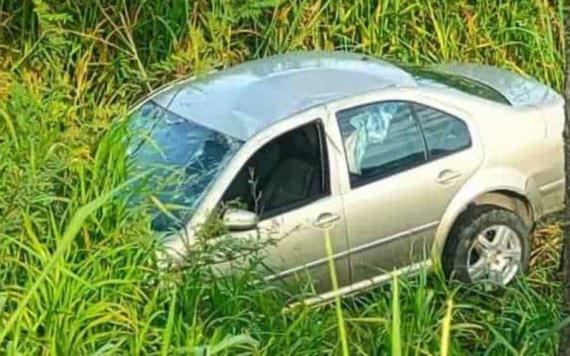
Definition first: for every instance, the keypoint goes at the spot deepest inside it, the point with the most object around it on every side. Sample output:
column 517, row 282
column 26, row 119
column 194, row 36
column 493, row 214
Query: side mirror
column 238, row 219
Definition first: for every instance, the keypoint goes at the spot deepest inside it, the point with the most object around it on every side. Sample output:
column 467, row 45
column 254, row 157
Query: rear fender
column 497, row 179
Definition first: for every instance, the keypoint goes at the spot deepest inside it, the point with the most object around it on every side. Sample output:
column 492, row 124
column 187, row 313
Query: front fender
column 485, row 181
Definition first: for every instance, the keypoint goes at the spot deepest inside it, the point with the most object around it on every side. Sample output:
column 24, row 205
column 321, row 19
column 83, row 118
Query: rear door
column 405, row 160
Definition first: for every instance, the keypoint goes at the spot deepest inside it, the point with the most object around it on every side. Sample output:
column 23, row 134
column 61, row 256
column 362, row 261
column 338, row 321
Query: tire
column 466, row 256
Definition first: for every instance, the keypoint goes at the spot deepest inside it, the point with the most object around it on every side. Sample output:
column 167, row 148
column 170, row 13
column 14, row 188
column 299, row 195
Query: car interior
column 402, row 147
column 285, row 173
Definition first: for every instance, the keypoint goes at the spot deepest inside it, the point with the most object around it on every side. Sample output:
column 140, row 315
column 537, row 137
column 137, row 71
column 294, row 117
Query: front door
column 405, row 162
column 287, row 182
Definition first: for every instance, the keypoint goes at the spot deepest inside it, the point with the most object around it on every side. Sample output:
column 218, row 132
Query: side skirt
column 361, row 286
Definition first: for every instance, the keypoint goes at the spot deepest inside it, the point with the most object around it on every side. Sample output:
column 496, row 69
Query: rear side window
column 444, row 133
column 380, row 139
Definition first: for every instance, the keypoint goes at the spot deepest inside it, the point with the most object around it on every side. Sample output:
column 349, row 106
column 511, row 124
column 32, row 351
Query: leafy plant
column 78, row 266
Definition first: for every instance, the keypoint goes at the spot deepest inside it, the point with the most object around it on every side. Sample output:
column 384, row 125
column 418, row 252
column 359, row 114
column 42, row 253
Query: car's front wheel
column 488, row 245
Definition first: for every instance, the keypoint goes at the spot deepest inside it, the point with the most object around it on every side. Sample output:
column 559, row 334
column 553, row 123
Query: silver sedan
column 404, row 166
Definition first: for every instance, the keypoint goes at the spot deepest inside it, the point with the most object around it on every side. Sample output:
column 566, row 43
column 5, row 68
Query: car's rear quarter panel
column 527, row 143
column 522, row 155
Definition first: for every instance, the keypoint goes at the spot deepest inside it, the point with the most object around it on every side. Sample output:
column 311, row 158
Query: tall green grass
column 77, row 268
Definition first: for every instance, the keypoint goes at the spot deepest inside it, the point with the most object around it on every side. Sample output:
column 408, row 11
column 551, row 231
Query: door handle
column 326, row 220
column 447, row 176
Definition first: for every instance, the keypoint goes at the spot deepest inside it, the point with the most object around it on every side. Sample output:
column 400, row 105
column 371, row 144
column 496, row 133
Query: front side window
column 444, row 134
column 380, row 139
column 286, row 173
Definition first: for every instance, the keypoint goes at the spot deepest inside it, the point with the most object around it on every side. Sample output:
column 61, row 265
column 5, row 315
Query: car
column 402, row 166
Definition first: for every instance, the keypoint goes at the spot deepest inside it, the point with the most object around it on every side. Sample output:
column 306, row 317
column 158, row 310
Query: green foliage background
column 89, row 284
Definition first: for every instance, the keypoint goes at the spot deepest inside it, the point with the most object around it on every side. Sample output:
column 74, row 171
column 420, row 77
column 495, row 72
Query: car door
column 291, row 184
column 405, row 160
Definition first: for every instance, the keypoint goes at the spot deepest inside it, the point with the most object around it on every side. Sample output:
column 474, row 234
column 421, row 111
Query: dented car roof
column 245, row 99
column 242, row 100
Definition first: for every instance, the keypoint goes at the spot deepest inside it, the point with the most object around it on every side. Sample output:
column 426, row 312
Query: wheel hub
column 495, row 256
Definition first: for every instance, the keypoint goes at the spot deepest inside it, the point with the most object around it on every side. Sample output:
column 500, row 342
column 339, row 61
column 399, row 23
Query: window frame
column 428, row 158
column 325, row 171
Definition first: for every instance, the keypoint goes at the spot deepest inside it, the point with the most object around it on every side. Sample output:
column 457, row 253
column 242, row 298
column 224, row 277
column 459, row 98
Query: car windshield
column 182, row 158
column 432, row 77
